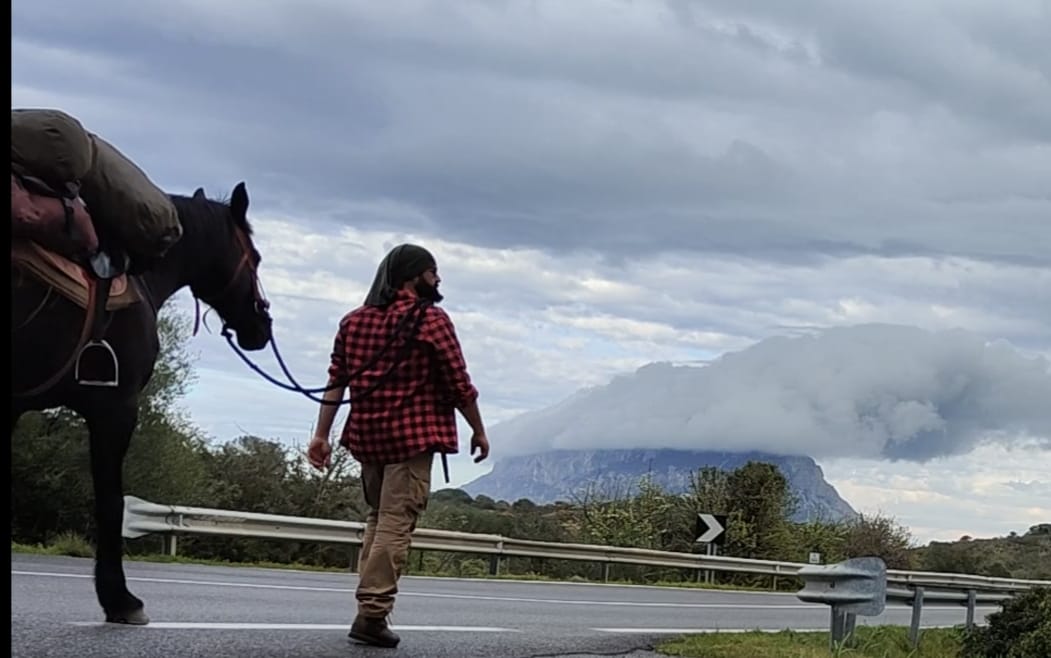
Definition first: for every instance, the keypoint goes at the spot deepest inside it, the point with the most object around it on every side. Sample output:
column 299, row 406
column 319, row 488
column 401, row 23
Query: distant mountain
column 559, row 475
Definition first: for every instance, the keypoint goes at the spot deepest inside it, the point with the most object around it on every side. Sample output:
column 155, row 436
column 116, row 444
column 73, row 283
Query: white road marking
column 710, row 631
column 511, row 580
column 568, row 583
column 471, row 597
column 251, row 626
column 691, row 631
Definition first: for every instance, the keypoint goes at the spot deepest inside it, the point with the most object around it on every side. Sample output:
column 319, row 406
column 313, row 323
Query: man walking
column 400, row 357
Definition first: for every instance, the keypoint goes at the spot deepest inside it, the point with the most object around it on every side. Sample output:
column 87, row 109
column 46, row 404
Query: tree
column 709, row 490
column 452, row 496
column 249, row 474
column 761, row 504
column 825, row 538
column 51, row 489
column 253, row 474
column 484, row 502
column 173, row 372
column 881, row 536
column 648, row 518
column 165, row 461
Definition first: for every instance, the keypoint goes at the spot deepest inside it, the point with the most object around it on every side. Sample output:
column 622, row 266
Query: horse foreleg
column 111, row 432
column 16, row 414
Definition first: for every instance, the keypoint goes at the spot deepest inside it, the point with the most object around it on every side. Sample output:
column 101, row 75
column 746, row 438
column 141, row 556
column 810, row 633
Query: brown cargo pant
column 396, row 495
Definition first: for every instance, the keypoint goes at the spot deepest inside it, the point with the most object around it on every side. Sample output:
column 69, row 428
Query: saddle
column 68, row 278
column 94, row 362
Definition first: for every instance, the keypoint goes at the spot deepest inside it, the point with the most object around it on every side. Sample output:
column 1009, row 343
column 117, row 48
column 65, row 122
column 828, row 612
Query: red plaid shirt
column 414, row 409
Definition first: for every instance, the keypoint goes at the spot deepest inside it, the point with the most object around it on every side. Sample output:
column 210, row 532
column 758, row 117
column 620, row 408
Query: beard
column 427, row 291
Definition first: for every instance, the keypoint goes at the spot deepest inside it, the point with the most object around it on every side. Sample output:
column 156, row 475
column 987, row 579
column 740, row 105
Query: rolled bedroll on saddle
column 126, row 204
column 50, row 145
column 123, row 203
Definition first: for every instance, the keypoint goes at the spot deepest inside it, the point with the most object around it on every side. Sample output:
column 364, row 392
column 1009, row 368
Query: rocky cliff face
column 560, row 475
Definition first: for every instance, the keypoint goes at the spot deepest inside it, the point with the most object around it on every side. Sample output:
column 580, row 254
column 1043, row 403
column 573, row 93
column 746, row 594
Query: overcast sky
column 841, row 208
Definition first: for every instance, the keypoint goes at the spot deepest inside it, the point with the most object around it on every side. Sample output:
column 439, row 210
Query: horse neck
column 184, row 261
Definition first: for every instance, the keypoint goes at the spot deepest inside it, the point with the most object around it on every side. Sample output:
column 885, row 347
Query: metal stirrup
column 105, row 346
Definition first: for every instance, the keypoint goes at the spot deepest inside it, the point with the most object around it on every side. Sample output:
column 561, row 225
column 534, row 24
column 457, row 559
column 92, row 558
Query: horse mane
column 208, row 209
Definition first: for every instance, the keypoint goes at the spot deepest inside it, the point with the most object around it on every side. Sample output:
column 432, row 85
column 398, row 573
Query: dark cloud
column 825, row 130
column 1039, row 488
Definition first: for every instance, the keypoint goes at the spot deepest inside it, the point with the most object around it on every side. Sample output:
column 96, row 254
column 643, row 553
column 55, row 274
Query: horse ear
column 239, row 201
column 199, row 194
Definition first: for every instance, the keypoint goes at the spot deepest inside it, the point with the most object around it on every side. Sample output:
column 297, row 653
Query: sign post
column 710, row 531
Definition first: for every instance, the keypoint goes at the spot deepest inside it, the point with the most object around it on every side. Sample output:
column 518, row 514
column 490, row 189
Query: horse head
column 229, row 283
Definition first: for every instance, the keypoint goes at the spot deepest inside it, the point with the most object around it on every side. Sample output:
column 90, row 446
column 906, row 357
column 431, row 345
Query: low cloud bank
column 868, row 391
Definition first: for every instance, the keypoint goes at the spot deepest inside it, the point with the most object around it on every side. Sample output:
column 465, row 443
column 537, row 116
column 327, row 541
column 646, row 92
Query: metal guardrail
column 850, row 588
column 913, row 588
column 859, row 587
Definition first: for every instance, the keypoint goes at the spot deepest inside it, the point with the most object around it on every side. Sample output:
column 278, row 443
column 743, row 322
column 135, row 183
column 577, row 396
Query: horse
column 217, row 259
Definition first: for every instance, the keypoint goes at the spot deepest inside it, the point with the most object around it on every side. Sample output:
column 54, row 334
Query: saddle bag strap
column 68, row 193
column 100, row 316
column 90, row 321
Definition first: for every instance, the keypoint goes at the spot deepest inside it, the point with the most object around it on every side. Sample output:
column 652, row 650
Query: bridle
column 261, row 304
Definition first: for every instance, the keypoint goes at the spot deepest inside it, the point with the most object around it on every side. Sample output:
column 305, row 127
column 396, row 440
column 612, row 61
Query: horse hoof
column 133, row 618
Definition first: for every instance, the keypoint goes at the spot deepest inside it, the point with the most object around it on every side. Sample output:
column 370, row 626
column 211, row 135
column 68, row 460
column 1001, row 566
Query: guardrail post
column 494, row 565
column 851, row 588
column 917, row 611
column 841, row 627
column 972, row 602
column 355, row 555
column 605, row 572
column 171, row 544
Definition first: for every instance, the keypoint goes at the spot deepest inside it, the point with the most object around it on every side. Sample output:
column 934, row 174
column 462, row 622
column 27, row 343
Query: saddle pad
column 68, row 278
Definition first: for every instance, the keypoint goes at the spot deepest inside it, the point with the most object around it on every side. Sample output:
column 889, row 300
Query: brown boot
column 374, row 631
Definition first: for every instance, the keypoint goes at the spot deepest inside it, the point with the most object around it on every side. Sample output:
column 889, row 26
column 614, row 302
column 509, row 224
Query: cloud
column 537, row 327
column 869, row 391
column 948, row 497
column 613, row 184
column 710, row 127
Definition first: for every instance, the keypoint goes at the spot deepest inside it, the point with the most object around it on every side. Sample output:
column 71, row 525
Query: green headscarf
column 403, row 263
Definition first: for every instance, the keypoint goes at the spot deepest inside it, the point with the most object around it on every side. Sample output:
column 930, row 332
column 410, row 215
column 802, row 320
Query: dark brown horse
column 217, row 260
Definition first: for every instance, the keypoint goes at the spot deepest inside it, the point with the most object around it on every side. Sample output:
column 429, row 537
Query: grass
column 76, row 546
column 870, row 642
column 67, row 543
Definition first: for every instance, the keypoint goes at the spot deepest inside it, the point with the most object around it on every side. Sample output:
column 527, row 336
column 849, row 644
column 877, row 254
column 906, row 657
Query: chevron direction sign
column 711, row 529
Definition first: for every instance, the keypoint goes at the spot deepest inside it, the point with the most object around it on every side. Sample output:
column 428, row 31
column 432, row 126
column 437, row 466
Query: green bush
column 72, row 544
column 1021, row 629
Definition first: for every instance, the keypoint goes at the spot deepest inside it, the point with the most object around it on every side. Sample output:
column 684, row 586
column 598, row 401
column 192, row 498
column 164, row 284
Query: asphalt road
column 199, row 611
